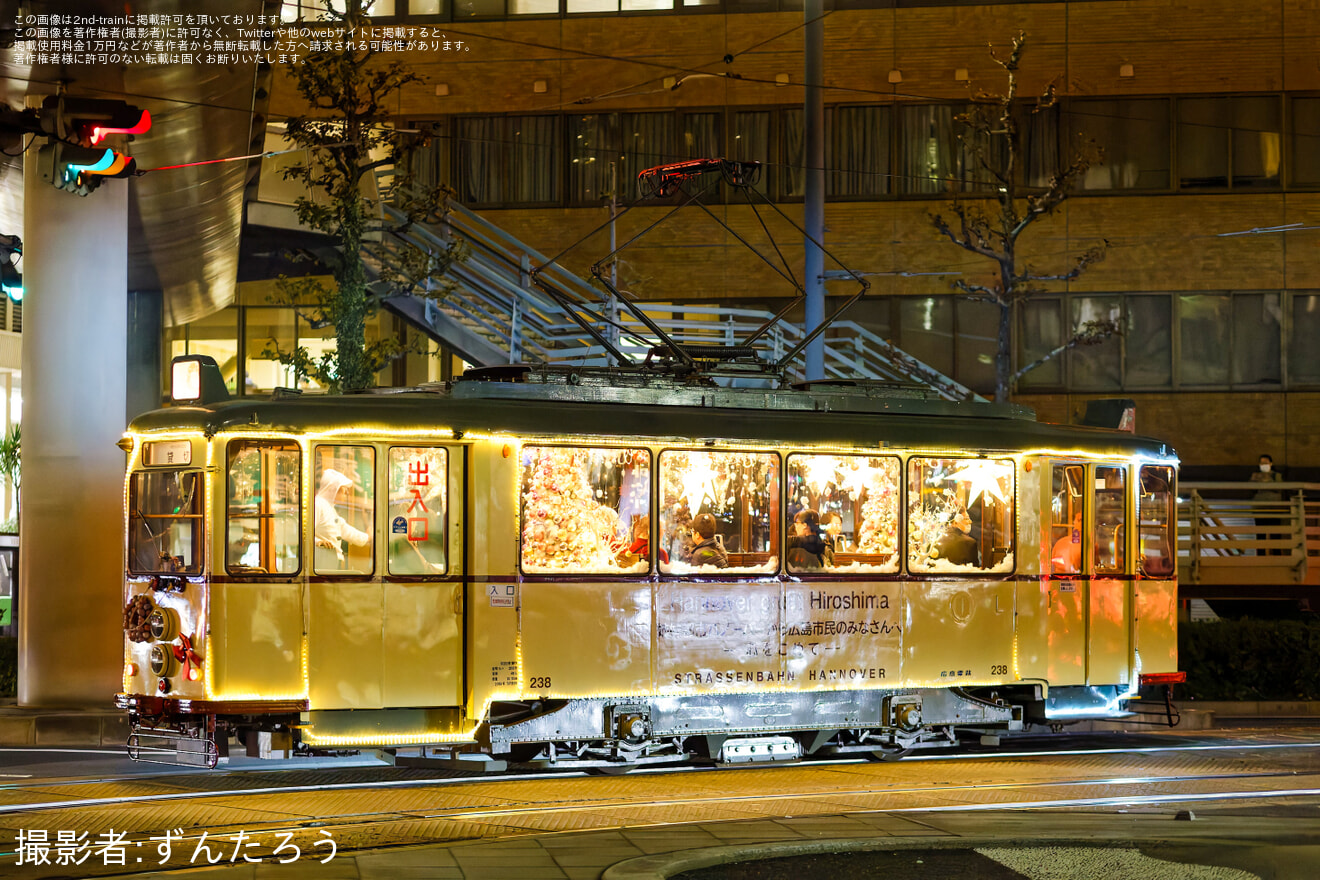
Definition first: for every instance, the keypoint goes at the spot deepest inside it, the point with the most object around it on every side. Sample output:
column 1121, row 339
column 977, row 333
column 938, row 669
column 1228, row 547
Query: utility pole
column 813, row 121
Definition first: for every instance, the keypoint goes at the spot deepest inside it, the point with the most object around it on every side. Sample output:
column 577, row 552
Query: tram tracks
column 969, row 781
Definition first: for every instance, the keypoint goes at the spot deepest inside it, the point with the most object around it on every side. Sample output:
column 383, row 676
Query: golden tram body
column 510, row 568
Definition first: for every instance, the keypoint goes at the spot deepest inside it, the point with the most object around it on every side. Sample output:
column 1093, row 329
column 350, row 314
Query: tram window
column 1156, row 512
column 855, row 502
column 1067, row 509
column 719, row 512
column 960, row 515
column 1110, row 516
column 581, row 507
column 417, row 514
column 165, row 522
column 264, row 512
column 344, row 530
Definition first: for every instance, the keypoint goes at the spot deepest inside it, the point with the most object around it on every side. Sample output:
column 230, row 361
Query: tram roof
column 576, row 403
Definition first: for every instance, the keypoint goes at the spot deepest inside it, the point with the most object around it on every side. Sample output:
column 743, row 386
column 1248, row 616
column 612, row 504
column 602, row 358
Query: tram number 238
column 538, row 682
column 999, row 669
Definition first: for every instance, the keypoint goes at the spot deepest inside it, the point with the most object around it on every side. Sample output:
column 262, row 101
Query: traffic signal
column 81, row 169
column 71, row 160
column 89, row 120
column 11, row 280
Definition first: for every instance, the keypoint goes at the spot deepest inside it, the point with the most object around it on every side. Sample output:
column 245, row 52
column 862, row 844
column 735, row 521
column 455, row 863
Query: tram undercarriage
column 604, row 735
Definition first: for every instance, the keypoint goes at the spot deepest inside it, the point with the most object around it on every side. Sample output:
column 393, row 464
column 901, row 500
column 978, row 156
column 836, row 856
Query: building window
column 508, row 159
column 1225, row 142
column 938, row 152
column 750, row 142
column 1148, row 341
column 857, row 151
column 1303, row 353
column 1096, row 367
column 1305, row 142
column 1132, row 136
column 1203, row 337
column 1041, row 145
column 1257, row 333
column 1040, row 331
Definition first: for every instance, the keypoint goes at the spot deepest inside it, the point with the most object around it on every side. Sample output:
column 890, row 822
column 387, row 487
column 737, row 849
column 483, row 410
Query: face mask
column 1264, row 469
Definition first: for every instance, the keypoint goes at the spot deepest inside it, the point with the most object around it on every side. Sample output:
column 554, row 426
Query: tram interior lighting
column 196, row 378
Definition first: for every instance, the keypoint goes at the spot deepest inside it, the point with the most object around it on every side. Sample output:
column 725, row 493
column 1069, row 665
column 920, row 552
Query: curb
column 664, row 865
column 53, row 727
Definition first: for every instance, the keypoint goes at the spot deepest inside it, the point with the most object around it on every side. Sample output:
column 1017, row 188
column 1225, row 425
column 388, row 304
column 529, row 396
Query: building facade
column 1204, row 115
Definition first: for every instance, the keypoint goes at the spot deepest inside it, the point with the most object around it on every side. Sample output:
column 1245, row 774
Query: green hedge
column 1250, row 660
column 8, row 666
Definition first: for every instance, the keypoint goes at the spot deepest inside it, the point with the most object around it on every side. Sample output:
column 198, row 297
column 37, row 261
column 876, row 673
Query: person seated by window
column 832, row 525
column 807, row 547
column 332, row 530
column 705, row 549
column 640, row 549
column 1066, row 557
column 956, row 545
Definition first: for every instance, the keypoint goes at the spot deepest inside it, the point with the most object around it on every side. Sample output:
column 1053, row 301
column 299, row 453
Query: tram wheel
column 611, row 770
column 887, row 755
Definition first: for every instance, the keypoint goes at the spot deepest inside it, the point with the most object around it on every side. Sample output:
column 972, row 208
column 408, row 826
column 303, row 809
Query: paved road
column 1254, row 787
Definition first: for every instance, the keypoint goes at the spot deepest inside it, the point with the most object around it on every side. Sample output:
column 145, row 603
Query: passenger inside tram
column 832, row 525
column 807, row 547
column 1066, row 557
column 707, row 549
column 332, row 530
column 640, row 548
column 956, row 545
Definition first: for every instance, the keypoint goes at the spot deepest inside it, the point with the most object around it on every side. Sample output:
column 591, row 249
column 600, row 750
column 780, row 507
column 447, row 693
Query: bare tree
column 349, row 134
column 992, row 229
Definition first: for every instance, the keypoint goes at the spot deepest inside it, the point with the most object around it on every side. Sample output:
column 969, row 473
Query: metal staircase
column 512, row 304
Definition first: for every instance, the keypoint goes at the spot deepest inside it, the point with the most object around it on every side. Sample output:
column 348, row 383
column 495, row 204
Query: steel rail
column 83, row 803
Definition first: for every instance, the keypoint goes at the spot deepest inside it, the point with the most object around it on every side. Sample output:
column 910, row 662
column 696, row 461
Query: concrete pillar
column 75, row 272
column 8, row 391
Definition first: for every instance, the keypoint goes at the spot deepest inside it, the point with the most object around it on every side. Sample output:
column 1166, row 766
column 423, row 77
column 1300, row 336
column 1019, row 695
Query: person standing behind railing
column 1267, row 474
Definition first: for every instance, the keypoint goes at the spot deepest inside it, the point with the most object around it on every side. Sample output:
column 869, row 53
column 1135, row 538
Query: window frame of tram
column 416, row 530
column 745, row 518
column 1161, row 527
column 541, row 467
column 935, row 516
column 344, row 545
column 141, row 507
column 862, row 494
column 1068, row 502
column 291, row 512
column 1109, row 532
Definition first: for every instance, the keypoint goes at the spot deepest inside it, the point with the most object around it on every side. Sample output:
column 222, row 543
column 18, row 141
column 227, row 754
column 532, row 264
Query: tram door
column 386, row 582
column 1108, row 636
column 1066, row 583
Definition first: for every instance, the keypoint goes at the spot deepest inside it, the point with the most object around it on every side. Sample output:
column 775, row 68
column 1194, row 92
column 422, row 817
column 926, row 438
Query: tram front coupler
column 183, row 740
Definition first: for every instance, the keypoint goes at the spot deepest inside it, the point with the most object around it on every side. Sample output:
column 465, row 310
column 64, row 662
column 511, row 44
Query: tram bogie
column 581, row 573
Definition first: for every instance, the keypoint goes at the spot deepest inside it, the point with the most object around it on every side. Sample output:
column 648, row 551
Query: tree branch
column 1090, row 333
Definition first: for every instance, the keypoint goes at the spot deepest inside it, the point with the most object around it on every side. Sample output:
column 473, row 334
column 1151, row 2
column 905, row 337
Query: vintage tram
column 608, row 568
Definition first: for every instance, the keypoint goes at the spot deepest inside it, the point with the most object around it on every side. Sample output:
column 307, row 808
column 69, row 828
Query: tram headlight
column 163, row 661
column 164, row 624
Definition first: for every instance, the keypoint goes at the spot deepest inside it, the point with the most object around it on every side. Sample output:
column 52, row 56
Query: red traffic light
column 143, row 124
column 90, row 120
